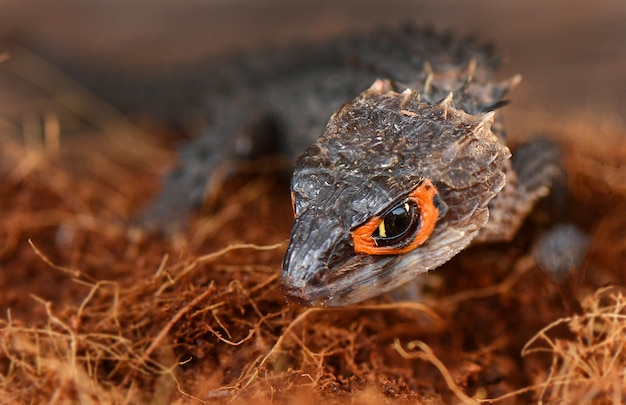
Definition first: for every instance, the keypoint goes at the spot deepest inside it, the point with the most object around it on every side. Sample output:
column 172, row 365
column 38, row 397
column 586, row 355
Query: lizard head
column 394, row 187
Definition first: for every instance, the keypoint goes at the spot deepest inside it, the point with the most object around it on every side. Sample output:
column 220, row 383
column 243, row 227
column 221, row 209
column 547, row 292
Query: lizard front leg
column 206, row 160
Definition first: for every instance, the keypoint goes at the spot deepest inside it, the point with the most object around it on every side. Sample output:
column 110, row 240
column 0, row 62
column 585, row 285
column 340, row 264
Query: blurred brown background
column 572, row 54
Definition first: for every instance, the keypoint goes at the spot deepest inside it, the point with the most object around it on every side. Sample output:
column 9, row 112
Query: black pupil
column 398, row 225
column 397, row 221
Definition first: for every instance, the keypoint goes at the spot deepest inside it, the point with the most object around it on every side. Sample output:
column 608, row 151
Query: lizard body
column 408, row 171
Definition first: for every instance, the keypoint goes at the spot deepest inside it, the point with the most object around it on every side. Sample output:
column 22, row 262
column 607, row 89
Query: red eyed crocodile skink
column 410, row 169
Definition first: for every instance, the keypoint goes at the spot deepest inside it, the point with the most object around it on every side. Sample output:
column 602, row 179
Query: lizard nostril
column 320, row 278
column 311, row 292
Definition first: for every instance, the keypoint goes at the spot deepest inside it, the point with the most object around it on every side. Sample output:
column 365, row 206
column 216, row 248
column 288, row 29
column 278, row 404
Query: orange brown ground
column 95, row 311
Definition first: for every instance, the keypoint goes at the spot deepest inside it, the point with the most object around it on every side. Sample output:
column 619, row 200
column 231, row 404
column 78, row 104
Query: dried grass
column 590, row 365
column 98, row 312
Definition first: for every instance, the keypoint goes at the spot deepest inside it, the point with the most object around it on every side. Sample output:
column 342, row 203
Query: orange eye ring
column 424, row 197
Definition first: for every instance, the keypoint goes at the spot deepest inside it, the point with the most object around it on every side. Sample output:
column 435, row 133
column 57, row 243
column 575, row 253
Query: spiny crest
column 378, row 88
column 513, row 82
column 481, row 121
column 385, row 88
column 407, row 96
column 476, row 122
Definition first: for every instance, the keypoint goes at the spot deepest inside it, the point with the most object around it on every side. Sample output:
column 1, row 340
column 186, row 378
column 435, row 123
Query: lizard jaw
column 321, row 268
column 365, row 276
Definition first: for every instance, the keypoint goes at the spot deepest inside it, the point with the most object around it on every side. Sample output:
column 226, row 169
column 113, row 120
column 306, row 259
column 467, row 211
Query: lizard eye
column 402, row 227
column 399, row 222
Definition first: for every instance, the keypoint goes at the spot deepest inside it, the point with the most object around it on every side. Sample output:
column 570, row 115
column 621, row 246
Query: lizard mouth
column 319, row 296
column 303, row 296
column 304, row 287
column 362, row 277
column 350, row 278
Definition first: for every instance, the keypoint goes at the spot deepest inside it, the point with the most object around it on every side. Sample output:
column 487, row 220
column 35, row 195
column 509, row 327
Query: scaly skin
column 373, row 152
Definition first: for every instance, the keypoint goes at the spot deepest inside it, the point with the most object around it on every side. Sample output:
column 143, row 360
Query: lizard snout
column 306, row 270
column 305, row 287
